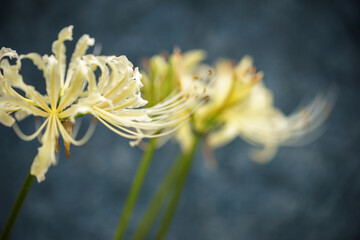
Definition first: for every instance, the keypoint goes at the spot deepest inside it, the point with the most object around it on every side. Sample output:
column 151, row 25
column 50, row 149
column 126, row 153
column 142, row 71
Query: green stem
column 135, row 189
column 17, row 206
column 155, row 205
column 179, row 186
column 153, row 209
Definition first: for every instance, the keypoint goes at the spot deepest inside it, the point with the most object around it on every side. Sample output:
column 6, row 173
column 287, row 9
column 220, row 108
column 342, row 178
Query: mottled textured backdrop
column 309, row 192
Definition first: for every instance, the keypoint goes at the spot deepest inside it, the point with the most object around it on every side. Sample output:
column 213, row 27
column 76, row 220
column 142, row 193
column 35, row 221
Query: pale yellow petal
column 100, row 62
column 121, row 72
column 37, row 59
column 80, row 49
column 222, row 136
column 185, row 137
column 46, row 153
column 263, row 155
column 8, row 52
column 52, row 79
column 192, row 59
column 59, row 50
column 76, row 86
column 20, row 103
column 12, row 78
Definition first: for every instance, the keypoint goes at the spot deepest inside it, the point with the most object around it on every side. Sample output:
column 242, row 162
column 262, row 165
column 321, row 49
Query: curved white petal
column 76, row 86
column 59, row 50
column 80, row 49
column 46, row 153
column 53, row 80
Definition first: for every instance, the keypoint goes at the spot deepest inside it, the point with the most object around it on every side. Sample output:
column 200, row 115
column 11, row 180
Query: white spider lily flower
column 175, row 74
column 113, row 98
column 241, row 105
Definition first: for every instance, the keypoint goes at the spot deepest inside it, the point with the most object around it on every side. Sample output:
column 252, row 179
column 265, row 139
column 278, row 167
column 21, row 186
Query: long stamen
column 29, row 137
column 68, row 138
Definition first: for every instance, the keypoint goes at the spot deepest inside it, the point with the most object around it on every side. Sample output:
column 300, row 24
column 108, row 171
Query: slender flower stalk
column 16, row 208
column 135, row 189
column 157, row 202
column 169, row 189
column 178, row 184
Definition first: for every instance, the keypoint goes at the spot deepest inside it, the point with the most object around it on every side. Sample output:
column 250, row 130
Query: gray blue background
column 309, row 192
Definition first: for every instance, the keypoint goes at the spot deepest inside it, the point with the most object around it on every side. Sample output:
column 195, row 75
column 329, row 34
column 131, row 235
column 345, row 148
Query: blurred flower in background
column 301, row 46
column 239, row 103
column 166, row 73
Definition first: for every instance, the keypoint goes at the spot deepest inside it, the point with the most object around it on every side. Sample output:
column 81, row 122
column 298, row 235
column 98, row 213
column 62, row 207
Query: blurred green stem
column 135, row 189
column 178, row 187
column 17, row 207
column 178, row 172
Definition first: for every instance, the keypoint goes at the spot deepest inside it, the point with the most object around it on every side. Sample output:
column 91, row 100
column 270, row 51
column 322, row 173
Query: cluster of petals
column 240, row 105
column 113, row 97
column 176, row 72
